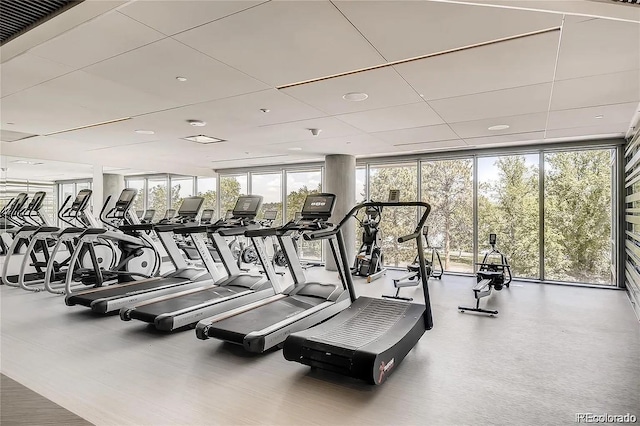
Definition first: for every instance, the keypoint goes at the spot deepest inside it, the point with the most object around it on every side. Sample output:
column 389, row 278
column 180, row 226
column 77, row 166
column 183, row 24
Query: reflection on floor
column 552, row 352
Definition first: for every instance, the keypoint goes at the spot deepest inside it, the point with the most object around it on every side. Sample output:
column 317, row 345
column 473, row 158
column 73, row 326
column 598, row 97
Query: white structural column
column 340, row 179
column 112, row 185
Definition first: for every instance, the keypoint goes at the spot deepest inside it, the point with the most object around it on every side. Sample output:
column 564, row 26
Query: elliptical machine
column 369, row 259
column 413, row 278
column 490, row 276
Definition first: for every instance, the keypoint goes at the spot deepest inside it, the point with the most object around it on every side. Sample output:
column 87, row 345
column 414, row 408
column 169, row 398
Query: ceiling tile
column 499, row 103
column 393, row 118
column 99, row 39
column 154, row 68
column 405, row 29
column 384, row 87
column 172, row 16
column 597, row 90
column 497, row 66
column 99, row 94
column 517, row 124
column 598, row 46
column 617, row 129
column 512, row 139
column 580, row 117
column 27, row 70
column 417, row 135
column 359, row 144
column 260, row 42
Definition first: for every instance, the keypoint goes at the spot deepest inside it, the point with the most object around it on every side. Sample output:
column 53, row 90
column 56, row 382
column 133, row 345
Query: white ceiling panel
column 598, row 46
column 445, row 145
column 154, row 68
column 583, row 117
column 96, row 40
column 96, row 93
column 497, row 66
column 405, row 29
column 48, row 147
column 603, row 89
column 285, row 42
column 33, row 113
column 47, row 170
column 28, row 70
column 173, row 16
column 499, row 103
column 606, row 130
column 384, row 87
column 416, row 135
column 360, row 144
column 517, row 124
column 394, row 118
column 512, row 139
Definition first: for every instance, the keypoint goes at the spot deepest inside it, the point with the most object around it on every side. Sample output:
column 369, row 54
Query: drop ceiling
column 438, row 75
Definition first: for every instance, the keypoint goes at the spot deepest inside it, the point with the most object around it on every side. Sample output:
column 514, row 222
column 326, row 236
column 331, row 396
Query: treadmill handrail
column 264, row 232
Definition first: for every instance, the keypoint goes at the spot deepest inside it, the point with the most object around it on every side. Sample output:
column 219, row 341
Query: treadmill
column 114, row 297
column 368, row 340
column 266, row 324
column 185, row 308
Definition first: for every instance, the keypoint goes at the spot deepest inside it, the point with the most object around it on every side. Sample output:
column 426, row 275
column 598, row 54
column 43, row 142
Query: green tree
column 508, row 207
column 396, row 222
column 229, row 193
column 295, row 201
column 448, row 187
column 578, row 216
column 158, row 198
column 209, row 199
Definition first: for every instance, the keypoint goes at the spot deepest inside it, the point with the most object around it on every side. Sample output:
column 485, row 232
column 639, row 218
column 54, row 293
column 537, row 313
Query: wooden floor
column 552, row 352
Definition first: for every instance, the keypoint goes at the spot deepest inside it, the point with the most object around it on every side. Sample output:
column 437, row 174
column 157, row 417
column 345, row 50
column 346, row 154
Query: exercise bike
column 413, row 277
column 369, row 259
column 490, row 276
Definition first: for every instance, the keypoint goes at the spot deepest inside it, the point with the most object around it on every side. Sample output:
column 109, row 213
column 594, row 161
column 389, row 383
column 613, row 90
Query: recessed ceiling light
column 355, row 96
column 181, row 78
column 600, row 116
column 295, row 148
column 145, row 132
column 348, row 142
column 203, row 139
column 499, row 127
column 265, row 110
column 197, row 123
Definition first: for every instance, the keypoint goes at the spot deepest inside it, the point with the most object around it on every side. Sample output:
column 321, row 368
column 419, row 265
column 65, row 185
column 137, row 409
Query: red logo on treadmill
column 384, row 368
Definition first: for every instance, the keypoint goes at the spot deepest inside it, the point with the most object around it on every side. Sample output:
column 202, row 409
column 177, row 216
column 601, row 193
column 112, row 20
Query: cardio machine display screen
column 270, row 214
column 126, row 198
column 81, row 199
column 190, row 206
column 206, row 215
column 247, row 206
column 320, row 205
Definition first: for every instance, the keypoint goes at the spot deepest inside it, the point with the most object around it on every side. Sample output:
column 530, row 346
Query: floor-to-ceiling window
column 269, row 185
column 231, row 187
column 395, row 222
column 447, row 185
column 299, row 185
column 157, row 195
column 181, row 188
column 508, row 197
column 206, row 187
column 138, row 202
column 577, row 216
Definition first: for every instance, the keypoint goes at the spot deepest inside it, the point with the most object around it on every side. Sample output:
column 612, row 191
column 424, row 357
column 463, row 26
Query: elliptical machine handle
column 413, row 236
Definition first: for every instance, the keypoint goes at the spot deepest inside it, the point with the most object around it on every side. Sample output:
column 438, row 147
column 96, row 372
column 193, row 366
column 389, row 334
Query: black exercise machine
column 370, row 338
column 369, row 259
column 412, row 278
column 490, row 276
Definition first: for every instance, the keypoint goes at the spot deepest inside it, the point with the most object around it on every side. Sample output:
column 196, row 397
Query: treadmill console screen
column 190, row 206
column 270, row 215
column 207, row 215
column 247, row 206
column 126, row 199
column 169, row 214
column 148, row 215
column 82, row 200
column 318, row 206
column 228, row 214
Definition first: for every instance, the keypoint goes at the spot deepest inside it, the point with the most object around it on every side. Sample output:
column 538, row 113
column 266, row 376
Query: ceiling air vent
column 203, row 139
column 626, row 2
column 20, row 16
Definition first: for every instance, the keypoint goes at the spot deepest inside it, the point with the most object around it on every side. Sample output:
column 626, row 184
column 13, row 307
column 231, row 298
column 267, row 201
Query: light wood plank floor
column 552, row 352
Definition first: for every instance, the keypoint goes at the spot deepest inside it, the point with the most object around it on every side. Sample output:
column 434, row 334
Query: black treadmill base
column 362, row 350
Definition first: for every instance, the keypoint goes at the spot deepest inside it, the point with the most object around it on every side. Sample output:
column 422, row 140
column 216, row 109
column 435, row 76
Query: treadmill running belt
column 373, row 321
column 148, row 312
column 122, row 290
